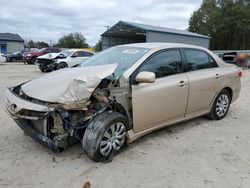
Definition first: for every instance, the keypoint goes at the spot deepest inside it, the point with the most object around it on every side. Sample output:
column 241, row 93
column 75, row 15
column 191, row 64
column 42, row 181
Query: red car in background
column 30, row 57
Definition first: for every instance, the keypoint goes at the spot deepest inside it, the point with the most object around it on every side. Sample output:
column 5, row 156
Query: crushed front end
column 56, row 126
column 46, row 65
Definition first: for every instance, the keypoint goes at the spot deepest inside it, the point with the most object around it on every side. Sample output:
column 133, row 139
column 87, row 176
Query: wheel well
column 230, row 91
column 119, row 108
column 63, row 62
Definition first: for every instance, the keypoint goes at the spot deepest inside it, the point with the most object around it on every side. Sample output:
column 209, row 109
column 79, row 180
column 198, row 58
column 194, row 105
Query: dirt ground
column 197, row 153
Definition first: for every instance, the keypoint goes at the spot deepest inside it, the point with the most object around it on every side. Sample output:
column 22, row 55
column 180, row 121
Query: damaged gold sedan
column 121, row 94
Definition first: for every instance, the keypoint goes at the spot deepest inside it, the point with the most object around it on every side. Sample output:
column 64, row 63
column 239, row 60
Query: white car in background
column 2, row 58
column 73, row 57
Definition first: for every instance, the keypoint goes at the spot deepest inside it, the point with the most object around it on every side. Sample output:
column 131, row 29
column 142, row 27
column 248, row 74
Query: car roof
column 78, row 49
column 162, row 45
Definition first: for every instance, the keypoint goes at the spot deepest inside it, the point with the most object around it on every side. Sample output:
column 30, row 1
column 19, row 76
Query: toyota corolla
column 122, row 94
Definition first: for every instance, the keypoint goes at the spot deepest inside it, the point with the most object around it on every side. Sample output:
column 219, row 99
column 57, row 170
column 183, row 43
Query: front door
column 164, row 100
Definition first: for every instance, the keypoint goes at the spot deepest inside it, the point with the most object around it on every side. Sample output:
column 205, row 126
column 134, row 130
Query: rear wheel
column 32, row 61
column 105, row 136
column 221, row 105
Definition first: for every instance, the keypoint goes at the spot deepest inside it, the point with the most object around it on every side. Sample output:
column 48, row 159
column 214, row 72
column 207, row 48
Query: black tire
column 13, row 59
column 95, row 131
column 33, row 60
column 215, row 113
column 41, row 69
column 61, row 65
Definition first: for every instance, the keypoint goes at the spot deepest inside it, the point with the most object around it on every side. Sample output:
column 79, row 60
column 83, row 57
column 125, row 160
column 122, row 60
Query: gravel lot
column 197, row 153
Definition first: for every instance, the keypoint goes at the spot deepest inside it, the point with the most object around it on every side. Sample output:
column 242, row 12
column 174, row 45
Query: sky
column 48, row 20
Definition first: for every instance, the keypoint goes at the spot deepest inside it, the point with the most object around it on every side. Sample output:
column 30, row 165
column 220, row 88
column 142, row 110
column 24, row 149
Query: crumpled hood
column 67, row 86
column 49, row 56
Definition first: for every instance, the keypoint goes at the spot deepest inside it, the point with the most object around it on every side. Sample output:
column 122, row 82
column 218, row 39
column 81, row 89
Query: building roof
column 153, row 45
column 11, row 37
column 153, row 28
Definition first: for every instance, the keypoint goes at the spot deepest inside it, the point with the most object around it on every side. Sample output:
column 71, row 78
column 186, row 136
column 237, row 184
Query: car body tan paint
column 165, row 95
column 203, row 87
column 144, row 123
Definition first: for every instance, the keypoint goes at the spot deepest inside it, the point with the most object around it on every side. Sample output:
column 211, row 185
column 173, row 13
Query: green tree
column 38, row 44
column 226, row 21
column 72, row 40
column 98, row 46
column 31, row 44
column 41, row 44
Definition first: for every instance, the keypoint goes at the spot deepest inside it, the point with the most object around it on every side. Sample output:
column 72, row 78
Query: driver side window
column 164, row 63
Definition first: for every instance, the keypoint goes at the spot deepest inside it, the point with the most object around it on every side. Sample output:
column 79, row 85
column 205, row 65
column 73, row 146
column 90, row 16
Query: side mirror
column 145, row 77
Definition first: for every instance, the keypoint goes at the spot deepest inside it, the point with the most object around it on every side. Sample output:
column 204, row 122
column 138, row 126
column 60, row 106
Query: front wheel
column 61, row 65
column 13, row 60
column 221, row 105
column 42, row 69
column 105, row 136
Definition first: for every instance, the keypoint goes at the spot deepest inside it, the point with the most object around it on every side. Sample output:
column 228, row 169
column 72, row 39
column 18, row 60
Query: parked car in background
column 236, row 58
column 230, row 57
column 73, row 57
column 66, row 58
column 123, row 93
column 45, row 62
column 30, row 57
column 2, row 58
column 16, row 56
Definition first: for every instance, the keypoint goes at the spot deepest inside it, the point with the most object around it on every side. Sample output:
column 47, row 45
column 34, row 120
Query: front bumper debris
column 37, row 136
column 32, row 119
column 20, row 108
column 46, row 65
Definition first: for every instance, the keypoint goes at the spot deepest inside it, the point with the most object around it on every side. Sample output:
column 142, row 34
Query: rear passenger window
column 197, row 60
column 163, row 63
column 88, row 54
column 84, row 54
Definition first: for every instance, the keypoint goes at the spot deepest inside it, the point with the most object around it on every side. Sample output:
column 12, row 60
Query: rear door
column 204, row 78
column 164, row 100
column 75, row 59
column 84, row 55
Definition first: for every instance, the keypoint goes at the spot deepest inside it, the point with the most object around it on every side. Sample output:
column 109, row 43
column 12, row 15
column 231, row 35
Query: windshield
column 66, row 52
column 123, row 56
column 15, row 53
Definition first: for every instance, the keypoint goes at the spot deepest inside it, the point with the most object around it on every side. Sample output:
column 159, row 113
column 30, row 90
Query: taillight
column 240, row 73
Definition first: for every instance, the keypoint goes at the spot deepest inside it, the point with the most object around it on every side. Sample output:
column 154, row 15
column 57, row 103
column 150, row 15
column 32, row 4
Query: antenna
column 107, row 27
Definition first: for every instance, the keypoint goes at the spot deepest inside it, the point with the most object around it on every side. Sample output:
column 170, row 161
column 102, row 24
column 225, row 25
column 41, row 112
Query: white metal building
column 130, row 32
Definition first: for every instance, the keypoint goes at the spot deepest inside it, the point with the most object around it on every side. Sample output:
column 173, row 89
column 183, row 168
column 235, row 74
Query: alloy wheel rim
column 113, row 138
column 222, row 105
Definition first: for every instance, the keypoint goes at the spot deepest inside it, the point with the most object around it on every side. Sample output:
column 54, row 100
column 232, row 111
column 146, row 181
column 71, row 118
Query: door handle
column 182, row 83
column 217, row 76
